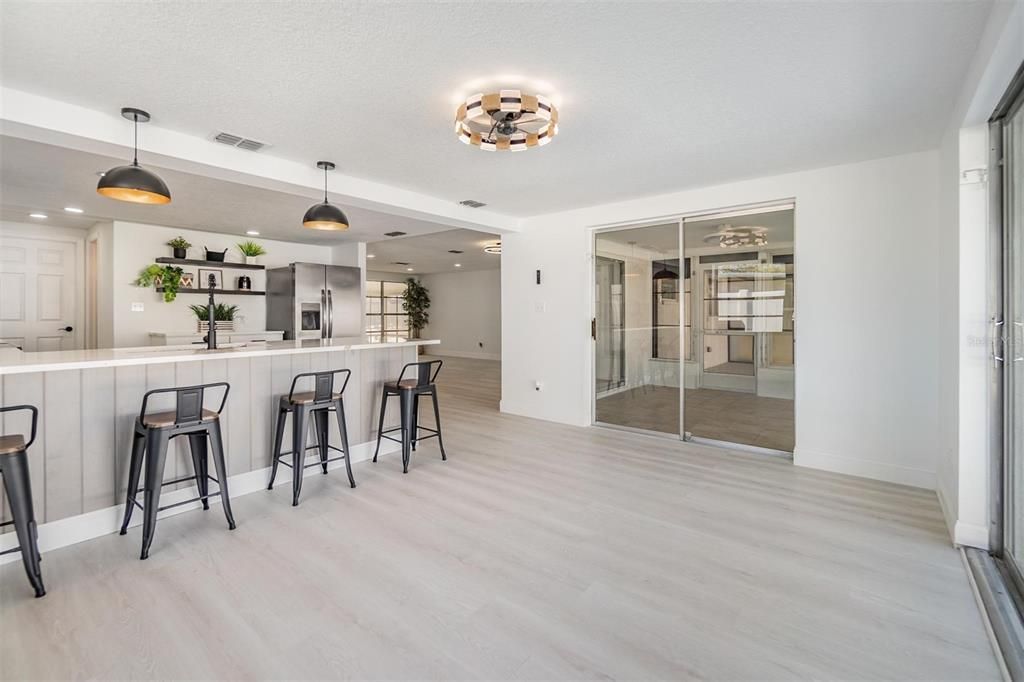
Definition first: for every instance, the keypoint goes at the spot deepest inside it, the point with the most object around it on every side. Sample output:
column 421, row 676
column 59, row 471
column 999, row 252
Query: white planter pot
column 221, row 326
column 251, row 260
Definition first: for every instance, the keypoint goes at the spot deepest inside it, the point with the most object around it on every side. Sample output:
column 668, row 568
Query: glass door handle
column 996, row 324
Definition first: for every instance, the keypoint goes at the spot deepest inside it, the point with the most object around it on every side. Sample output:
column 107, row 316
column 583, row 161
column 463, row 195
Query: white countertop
column 14, row 361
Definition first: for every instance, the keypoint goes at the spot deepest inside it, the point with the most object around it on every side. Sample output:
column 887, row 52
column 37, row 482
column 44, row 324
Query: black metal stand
column 18, row 487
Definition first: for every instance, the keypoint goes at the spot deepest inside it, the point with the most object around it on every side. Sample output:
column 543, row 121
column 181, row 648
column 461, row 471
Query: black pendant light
column 325, row 215
column 134, row 183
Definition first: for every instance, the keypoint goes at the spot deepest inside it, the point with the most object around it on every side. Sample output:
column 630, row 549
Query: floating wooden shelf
column 219, row 292
column 209, row 263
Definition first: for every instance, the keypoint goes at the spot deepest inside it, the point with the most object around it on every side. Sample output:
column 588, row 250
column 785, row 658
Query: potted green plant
column 167, row 277
column 415, row 302
column 180, row 246
column 223, row 316
column 251, row 250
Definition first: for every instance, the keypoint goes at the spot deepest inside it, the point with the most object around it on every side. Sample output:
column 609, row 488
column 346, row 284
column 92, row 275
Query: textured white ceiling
column 42, row 177
column 654, row 96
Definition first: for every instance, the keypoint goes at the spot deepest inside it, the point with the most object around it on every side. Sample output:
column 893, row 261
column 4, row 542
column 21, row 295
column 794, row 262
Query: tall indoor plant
column 415, row 302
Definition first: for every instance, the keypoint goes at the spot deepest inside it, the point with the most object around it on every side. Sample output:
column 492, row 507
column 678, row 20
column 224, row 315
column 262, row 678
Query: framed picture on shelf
column 204, row 278
column 188, row 280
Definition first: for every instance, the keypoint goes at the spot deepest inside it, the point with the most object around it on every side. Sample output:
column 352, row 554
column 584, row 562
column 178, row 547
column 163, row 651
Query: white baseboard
column 970, row 535
column 948, row 515
column 472, row 355
column 94, row 524
column 866, row 468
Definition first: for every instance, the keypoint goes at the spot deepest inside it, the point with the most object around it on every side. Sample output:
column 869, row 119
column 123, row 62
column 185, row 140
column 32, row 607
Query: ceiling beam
column 50, row 121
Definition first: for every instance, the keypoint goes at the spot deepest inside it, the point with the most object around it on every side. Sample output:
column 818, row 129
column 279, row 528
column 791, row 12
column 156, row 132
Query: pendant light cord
column 325, row 184
column 135, row 156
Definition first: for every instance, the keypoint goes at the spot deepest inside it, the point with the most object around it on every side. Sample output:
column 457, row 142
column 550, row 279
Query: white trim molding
column 881, row 471
column 970, row 535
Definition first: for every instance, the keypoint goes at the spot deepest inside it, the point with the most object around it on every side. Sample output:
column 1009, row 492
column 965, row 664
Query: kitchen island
column 88, row 401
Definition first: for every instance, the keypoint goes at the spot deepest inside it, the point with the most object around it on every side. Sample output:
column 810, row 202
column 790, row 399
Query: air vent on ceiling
column 454, row 251
column 394, row 234
column 472, row 203
column 399, row 262
column 240, row 142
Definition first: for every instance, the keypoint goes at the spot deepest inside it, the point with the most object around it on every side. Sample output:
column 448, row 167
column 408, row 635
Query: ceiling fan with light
column 729, row 237
column 507, row 120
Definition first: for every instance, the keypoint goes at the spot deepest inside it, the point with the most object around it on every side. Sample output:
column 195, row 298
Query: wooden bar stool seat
column 150, row 441
column 11, row 444
column 18, row 487
column 320, row 403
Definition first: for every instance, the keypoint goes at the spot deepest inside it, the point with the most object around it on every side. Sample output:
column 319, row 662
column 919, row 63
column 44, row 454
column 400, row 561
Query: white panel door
column 37, row 294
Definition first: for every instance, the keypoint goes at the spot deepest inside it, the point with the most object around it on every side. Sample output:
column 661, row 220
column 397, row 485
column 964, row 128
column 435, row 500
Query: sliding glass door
column 740, row 385
column 694, row 327
column 1012, row 133
column 638, row 327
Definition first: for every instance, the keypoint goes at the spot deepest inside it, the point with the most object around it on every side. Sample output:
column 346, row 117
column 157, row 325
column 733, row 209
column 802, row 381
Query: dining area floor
column 537, row 551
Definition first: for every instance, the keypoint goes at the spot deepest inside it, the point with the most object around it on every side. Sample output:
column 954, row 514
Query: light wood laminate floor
column 538, row 551
column 730, row 416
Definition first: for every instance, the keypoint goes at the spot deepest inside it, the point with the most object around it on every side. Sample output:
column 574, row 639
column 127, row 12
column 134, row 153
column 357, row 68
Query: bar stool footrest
column 434, row 433
column 10, row 551
column 194, row 499
column 177, row 480
column 314, row 463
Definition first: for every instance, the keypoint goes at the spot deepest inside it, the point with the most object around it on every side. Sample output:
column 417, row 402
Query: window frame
column 384, row 333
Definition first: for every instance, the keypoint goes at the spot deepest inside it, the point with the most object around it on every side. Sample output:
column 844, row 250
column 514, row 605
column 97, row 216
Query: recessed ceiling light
column 370, row 255
column 72, row 209
column 458, row 265
column 408, row 269
column 41, row 216
column 254, row 233
column 494, row 248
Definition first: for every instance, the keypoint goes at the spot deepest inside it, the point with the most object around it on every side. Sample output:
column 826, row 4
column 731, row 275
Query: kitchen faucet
column 211, row 335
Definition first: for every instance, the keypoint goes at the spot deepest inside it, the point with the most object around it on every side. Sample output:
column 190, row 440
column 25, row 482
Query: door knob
column 67, row 329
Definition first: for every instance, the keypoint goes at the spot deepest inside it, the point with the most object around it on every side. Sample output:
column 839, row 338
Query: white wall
column 465, row 313
column 867, row 359
column 103, row 236
column 962, row 245
column 135, row 245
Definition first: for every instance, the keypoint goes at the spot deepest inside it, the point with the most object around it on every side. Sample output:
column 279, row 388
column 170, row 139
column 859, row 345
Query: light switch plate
column 138, row 308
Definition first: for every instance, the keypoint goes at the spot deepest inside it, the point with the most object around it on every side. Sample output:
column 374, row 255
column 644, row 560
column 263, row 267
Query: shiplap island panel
column 88, row 401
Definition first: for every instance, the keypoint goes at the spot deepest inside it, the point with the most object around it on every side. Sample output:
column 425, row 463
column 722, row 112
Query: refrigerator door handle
column 323, row 313
column 330, row 316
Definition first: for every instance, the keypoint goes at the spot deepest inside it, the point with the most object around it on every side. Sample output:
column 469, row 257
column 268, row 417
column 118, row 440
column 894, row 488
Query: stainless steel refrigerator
column 314, row 301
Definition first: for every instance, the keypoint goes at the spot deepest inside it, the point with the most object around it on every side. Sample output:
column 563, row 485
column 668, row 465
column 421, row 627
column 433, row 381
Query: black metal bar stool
column 319, row 403
column 409, row 392
column 14, row 468
column 153, row 433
